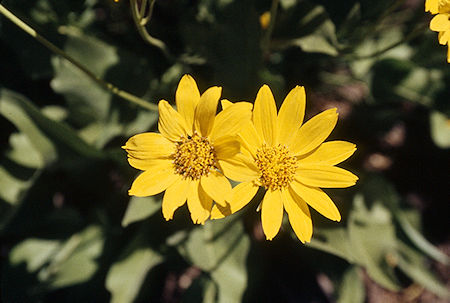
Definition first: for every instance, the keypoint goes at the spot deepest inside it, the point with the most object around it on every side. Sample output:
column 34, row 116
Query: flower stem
column 141, row 18
column 106, row 85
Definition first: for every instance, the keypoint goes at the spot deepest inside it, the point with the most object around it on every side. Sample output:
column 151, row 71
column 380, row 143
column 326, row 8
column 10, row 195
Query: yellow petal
column 205, row 112
column 432, row 6
column 448, row 53
column 225, row 103
column 240, row 196
column 149, row 146
column 317, row 199
column 174, row 197
column 187, row 97
column 299, row 216
column 272, row 213
column 249, row 138
column 265, row 115
column 217, row 187
column 231, row 120
column 440, row 23
column 444, row 37
column 199, row 203
column 239, row 168
column 326, row 176
column 226, row 147
column 314, row 132
column 154, row 180
column 291, row 115
column 144, row 164
column 331, row 153
column 171, row 125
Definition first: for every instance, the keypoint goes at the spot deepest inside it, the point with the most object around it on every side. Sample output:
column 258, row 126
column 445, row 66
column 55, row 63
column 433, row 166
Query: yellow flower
column 441, row 22
column 290, row 161
column 184, row 158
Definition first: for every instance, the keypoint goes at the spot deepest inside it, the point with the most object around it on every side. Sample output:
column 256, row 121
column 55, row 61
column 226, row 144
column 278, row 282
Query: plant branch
column 106, row 85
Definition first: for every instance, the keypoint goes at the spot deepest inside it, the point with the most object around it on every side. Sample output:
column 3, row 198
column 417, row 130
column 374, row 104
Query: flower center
column 194, row 157
column 276, row 165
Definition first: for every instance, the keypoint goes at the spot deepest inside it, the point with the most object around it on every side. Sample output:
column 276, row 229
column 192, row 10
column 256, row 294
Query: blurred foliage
column 68, row 230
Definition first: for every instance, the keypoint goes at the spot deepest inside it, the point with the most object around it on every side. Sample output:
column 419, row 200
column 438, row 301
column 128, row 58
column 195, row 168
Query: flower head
column 290, row 161
column 441, row 22
column 184, row 158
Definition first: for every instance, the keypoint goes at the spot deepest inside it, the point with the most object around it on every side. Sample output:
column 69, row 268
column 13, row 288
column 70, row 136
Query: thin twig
column 108, row 86
column 140, row 23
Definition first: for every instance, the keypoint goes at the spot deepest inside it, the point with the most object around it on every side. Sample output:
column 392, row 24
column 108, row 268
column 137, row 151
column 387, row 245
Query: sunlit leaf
column 440, row 129
column 223, row 253
column 76, row 260
column 126, row 275
column 139, row 209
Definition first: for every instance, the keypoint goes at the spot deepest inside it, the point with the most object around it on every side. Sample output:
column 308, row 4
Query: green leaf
column 26, row 117
column 126, row 275
column 334, row 241
column 12, row 188
column 42, row 132
column 351, row 289
column 371, row 250
column 419, row 240
column 140, row 209
column 440, row 129
column 88, row 102
column 220, row 247
column 318, row 32
column 34, row 252
column 75, row 262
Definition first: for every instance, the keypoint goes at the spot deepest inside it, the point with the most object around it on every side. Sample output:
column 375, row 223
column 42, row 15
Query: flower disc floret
column 276, row 165
column 194, row 157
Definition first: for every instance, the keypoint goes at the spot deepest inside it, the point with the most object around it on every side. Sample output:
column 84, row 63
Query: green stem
column 108, row 86
column 140, row 21
column 265, row 43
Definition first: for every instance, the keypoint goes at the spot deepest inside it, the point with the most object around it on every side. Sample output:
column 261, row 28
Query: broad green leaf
column 334, row 241
column 12, row 189
column 126, row 275
column 23, row 152
column 351, row 289
column 26, row 118
column 440, row 129
column 316, row 33
column 140, row 209
column 76, row 260
column 220, row 247
column 371, row 250
column 88, row 102
column 42, row 132
column 34, row 252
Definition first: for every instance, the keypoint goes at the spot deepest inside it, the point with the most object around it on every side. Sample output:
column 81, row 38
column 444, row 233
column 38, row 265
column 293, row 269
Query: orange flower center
column 194, row 157
column 276, row 165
